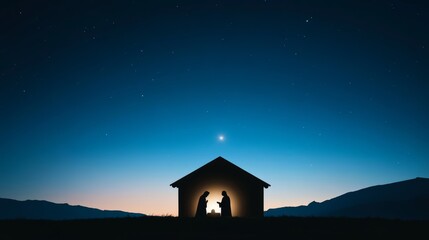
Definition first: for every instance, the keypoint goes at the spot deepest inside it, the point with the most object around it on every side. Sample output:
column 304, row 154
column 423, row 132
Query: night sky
column 106, row 103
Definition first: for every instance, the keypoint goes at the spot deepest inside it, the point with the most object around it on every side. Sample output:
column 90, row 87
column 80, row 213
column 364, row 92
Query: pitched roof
column 219, row 161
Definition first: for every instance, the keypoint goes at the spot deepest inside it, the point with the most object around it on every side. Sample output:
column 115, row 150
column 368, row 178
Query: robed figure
column 225, row 205
column 202, row 205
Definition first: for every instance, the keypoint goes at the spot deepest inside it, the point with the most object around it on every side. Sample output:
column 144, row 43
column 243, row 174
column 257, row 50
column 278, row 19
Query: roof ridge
column 218, row 159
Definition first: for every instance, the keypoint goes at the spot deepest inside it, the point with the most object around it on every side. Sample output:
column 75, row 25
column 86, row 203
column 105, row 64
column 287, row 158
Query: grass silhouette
column 214, row 228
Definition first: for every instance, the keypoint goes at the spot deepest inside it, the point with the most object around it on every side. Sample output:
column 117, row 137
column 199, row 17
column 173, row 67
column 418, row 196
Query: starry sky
column 106, row 103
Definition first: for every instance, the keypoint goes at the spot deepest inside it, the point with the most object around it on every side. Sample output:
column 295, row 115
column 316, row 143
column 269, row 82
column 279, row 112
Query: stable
column 245, row 190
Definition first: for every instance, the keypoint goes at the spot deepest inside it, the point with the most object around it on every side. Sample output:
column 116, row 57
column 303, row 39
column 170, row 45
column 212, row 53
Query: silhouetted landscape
column 404, row 200
column 392, row 210
column 400, row 200
column 44, row 210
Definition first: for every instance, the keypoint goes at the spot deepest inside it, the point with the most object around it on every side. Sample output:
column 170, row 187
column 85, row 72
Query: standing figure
column 225, row 205
column 202, row 205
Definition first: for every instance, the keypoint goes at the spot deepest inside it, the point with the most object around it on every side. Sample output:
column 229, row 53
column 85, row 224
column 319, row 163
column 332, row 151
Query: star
column 221, row 138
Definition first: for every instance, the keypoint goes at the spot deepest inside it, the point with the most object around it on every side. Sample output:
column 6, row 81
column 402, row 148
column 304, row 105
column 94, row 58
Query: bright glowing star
column 221, row 138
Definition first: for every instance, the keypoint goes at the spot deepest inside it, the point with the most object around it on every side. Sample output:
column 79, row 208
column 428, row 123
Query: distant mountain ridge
column 44, row 210
column 407, row 199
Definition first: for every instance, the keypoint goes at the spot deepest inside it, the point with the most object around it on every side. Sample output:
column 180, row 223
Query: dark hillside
column 44, row 210
column 405, row 200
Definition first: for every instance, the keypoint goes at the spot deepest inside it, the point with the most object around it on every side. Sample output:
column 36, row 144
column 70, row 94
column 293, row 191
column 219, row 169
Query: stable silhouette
column 202, row 205
column 225, row 205
column 245, row 190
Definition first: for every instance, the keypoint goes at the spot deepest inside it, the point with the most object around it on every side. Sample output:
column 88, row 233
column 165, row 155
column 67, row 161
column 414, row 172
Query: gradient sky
column 105, row 104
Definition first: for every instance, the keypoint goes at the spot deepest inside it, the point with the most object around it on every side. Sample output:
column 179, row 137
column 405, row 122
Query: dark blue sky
column 106, row 103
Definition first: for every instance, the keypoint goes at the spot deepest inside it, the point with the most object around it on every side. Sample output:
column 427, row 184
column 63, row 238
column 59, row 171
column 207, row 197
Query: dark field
column 215, row 228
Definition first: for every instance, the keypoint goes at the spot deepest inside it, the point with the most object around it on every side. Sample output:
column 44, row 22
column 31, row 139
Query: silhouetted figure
column 225, row 205
column 202, row 205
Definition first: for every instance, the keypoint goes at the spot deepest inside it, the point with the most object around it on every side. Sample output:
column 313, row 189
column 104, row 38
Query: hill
column 406, row 200
column 44, row 210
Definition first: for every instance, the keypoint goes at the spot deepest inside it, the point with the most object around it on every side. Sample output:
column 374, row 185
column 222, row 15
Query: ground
column 214, row 228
